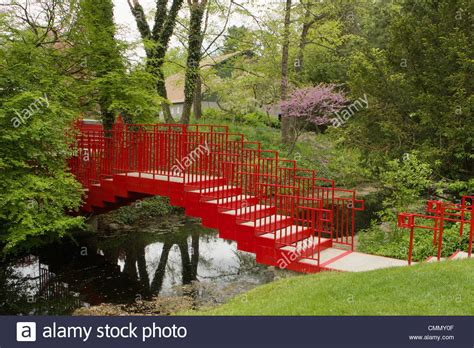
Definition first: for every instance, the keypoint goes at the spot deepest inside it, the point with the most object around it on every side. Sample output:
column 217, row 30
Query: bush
column 258, row 118
column 394, row 242
column 254, row 119
column 143, row 210
column 218, row 115
column 405, row 182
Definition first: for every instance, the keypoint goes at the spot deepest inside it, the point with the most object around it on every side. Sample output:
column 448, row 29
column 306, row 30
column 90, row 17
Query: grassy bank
column 444, row 288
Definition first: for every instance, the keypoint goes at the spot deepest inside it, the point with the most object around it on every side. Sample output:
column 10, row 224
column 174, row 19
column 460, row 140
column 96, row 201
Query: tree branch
column 160, row 18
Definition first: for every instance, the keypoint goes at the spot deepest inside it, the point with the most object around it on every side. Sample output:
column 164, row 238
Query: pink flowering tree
column 312, row 105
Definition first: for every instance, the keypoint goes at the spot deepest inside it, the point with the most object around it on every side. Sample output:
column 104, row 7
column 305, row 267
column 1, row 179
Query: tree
column 286, row 126
column 38, row 105
column 309, row 19
column 156, row 41
column 237, row 39
column 312, row 105
column 97, row 33
column 55, row 62
column 110, row 85
column 420, row 89
column 195, row 38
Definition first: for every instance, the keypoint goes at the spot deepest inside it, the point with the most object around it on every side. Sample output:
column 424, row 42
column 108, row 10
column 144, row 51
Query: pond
column 174, row 264
column 162, row 266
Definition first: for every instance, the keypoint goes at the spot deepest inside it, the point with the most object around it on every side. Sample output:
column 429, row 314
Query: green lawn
column 445, row 288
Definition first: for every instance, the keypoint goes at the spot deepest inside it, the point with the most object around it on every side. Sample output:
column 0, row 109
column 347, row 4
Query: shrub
column 253, row 119
column 143, row 210
column 393, row 242
column 405, row 182
column 218, row 115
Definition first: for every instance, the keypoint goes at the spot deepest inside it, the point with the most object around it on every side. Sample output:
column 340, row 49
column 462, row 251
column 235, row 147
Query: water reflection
column 180, row 258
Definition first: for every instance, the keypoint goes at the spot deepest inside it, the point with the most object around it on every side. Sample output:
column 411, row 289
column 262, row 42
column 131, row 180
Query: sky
column 128, row 29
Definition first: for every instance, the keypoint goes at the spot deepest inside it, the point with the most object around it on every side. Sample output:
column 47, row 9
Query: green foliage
column 253, row 83
column 217, row 115
column 95, row 41
column 404, row 182
column 455, row 189
column 97, row 37
column 324, row 61
column 390, row 241
column 256, row 118
column 253, row 119
column 419, row 89
column 175, row 60
column 130, row 94
column 143, row 211
column 37, row 107
column 326, row 153
column 110, row 82
column 238, row 39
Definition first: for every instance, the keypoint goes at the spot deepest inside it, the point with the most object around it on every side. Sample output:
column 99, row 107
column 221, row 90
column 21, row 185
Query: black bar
column 249, row 331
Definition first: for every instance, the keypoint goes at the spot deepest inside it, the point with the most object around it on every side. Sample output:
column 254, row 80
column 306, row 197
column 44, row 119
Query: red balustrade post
column 471, row 229
column 406, row 220
column 463, row 210
column 440, row 208
column 471, row 234
column 410, row 248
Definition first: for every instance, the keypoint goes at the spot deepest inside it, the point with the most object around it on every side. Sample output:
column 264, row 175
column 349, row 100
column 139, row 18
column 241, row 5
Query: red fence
column 204, row 156
column 438, row 214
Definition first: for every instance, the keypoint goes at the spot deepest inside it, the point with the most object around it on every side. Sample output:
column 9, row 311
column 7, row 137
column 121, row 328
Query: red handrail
column 438, row 213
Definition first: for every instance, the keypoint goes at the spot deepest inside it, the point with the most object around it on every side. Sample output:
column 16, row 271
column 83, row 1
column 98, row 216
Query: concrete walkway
column 460, row 255
column 356, row 261
column 353, row 261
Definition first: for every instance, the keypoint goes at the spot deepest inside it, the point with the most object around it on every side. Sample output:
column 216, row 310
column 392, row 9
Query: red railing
column 209, row 157
column 438, row 213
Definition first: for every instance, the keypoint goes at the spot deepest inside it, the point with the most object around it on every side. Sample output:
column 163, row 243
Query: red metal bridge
column 288, row 216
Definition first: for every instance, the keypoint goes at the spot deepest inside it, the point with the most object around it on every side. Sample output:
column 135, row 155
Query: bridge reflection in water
column 182, row 260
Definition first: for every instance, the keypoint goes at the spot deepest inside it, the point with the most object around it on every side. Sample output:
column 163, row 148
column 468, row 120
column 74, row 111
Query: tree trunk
column 161, row 88
column 308, row 21
column 195, row 253
column 160, row 35
column 197, row 103
column 286, row 128
column 195, row 38
column 157, row 281
column 299, row 66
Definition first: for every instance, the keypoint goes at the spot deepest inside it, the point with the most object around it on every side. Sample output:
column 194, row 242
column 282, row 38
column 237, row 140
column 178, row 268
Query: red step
column 228, row 220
